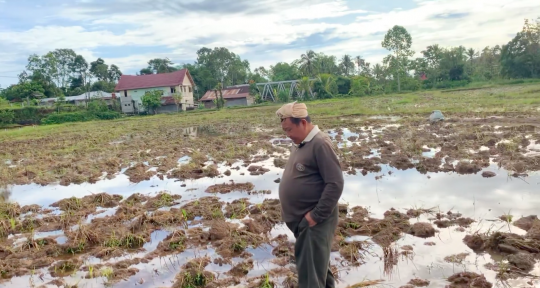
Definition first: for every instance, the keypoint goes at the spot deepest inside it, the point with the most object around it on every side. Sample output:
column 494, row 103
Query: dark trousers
column 312, row 251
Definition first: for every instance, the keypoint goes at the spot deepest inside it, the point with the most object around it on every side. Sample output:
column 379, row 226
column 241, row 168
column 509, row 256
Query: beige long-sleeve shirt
column 312, row 180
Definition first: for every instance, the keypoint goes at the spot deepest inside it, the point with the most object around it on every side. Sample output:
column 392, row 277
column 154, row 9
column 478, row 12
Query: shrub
column 7, row 116
column 59, row 118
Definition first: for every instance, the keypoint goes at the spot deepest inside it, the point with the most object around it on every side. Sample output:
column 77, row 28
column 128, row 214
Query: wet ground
column 395, row 193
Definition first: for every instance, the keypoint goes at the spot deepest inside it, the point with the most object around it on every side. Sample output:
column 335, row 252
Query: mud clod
column 227, row 188
column 468, row 280
column 257, row 170
column 467, row 168
column 522, row 261
column 488, row 174
column 526, row 223
column 419, row 282
column 422, row 230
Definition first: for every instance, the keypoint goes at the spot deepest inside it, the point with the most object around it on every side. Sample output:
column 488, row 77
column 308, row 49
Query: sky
column 128, row 33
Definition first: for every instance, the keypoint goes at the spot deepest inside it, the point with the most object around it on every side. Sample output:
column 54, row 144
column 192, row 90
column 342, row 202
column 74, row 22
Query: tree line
column 64, row 73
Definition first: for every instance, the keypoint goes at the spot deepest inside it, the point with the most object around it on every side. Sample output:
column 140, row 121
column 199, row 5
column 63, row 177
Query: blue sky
column 128, row 33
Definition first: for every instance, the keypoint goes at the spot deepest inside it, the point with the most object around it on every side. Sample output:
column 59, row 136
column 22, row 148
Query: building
column 233, row 95
column 81, row 99
column 130, row 89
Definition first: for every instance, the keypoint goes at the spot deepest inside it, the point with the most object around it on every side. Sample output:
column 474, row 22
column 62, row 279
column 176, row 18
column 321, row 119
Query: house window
column 189, row 88
column 173, row 89
column 125, row 93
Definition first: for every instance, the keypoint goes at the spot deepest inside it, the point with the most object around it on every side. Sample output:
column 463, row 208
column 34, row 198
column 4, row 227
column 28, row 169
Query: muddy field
column 450, row 204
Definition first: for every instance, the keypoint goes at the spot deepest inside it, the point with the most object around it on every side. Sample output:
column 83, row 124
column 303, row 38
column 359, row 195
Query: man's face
column 297, row 133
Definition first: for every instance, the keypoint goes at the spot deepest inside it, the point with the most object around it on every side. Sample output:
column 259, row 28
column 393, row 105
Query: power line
column 1, row 76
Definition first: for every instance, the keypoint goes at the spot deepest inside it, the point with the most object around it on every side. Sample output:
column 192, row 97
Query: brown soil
column 227, row 188
column 384, row 231
column 257, row 170
column 419, row 282
column 241, row 269
column 354, row 252
column 422, row 230
column 162, row 199
column 505, row 243
column 139, row 172
column 526, row 223
column 488, row 174
column 467, row 280
column 194, row 275
column 237, row 209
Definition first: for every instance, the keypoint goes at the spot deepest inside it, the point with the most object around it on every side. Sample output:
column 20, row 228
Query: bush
column 31, row 114
column 359, row 86
column 343, row 84
column 59, row 118
column 6, row 117
column 445, row 84
column 107, row 115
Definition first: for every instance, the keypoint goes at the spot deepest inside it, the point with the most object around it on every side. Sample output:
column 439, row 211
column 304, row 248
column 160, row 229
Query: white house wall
column 187, row 96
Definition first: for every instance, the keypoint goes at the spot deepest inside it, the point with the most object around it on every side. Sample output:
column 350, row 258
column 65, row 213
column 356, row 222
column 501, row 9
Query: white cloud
column 270, row 30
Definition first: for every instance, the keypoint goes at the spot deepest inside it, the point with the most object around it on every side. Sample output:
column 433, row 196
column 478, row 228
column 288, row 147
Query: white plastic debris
column 436, row 116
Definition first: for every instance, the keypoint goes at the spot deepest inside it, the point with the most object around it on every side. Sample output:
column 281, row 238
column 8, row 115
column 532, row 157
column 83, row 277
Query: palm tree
column 307, row 65
column 347, row 64
column 378, row 71
column 329, row 85
column 360, row 62
column 471, row 53
column 305, row 86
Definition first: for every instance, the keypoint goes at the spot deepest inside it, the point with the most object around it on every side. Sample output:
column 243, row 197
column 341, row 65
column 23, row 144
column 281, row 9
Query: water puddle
column 482, row 199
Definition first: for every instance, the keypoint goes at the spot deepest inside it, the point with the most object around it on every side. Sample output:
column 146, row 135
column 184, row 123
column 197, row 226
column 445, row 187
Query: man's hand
column 310, row 220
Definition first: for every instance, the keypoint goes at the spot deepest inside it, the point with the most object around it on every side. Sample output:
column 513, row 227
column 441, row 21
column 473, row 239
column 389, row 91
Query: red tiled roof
column 167, row 100
column 233, row 92
column 130, row 82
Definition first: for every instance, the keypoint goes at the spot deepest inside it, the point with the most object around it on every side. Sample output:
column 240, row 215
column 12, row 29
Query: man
column 309, row 191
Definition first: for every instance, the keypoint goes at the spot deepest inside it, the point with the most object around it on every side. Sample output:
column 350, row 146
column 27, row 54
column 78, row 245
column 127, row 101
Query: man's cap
column 292, row 110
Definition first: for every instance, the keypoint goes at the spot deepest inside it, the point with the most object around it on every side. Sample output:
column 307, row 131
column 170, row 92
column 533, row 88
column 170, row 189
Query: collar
column 309, row 137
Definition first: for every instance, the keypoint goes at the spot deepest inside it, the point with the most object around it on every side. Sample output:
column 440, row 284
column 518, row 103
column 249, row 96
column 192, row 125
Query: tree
column 219, row 101
column 158, row 66
column 472, row 54
column 359, row 86
column 177, row 100
column 347, row 65
column 305, row 86
column 325, row 86
column 114, row 73
column 64, row 60
column 6, row 116
column 521, row 56
column 152, row 100
column 326, row 64
column 59, row 102
column 23, row 91
column 283, row 71
column 146, row 71
column 224, row 66
column 398, row 41
column 306, row 64
column 100, row 70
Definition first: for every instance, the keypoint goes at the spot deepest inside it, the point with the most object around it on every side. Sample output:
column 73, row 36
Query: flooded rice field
column 446, row 205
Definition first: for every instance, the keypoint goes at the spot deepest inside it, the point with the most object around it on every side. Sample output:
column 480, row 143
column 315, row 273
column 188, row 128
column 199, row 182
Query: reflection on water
column 476, row 197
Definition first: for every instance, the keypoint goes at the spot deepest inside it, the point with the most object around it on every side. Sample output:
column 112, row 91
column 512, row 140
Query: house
column 81, row 99
column 233, row 95
column 130, row 89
